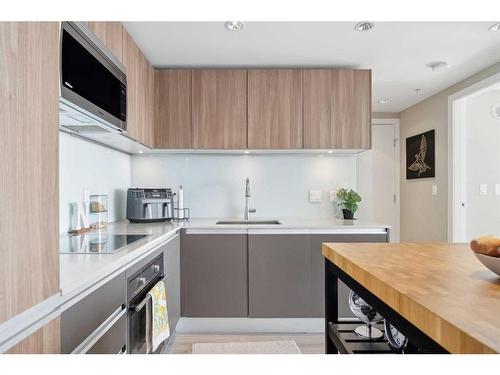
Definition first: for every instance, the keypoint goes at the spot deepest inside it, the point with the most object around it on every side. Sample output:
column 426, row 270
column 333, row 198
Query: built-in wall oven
column 139, row 306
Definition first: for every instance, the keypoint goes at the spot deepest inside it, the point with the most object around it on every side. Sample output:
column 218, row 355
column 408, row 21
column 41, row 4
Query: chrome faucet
column 247, row 195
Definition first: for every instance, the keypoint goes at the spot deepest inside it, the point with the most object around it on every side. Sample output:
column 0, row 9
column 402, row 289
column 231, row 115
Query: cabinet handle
column 100, row 331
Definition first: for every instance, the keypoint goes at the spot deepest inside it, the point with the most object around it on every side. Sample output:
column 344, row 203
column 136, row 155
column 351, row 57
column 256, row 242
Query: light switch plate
column 497, row 189
column 314, row 196
column 434, row 189
column 483, row 189
column 333, row 195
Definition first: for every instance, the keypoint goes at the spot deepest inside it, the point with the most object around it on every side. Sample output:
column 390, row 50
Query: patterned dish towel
column 160, row 330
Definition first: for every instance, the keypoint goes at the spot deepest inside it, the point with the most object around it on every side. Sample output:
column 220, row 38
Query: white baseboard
column 251, row 325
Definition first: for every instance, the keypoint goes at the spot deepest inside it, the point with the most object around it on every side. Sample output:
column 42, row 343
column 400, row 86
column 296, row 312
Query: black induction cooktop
column 96, row 243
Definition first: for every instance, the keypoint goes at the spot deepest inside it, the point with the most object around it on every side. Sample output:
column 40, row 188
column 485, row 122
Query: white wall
column 84, row 165
column 214, row 185
column 424, row 217
column 482, row 154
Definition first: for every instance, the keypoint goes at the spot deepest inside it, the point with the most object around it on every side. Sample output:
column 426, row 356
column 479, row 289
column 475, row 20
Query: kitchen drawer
column 114, row 340
column 82, row 319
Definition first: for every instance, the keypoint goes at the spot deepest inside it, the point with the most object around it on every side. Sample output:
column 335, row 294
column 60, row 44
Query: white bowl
column 492, row 263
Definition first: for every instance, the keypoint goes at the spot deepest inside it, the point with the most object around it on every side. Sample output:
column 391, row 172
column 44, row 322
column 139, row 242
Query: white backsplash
column 85, row 165
column 214, row 184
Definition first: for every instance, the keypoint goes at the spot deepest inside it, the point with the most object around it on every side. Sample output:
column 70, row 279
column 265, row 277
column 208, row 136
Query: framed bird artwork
column 420, row 157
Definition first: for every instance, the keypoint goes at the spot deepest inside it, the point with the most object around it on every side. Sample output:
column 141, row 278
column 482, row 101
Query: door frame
column 456, row 156
column 395, row 231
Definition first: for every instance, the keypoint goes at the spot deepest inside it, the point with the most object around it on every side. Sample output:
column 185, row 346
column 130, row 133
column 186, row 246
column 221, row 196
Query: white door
column 378, row 178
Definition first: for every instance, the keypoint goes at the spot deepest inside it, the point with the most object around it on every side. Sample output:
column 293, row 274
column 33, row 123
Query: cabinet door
column 172, row 267
column 220, row 109
column 337, row 108
column 140, row 91
column 214, row 275
column 318, row 271
column 173, row 109
column 29, row 140
column 148, row 129
column 274, row 109
column 111, row 35
column 279, row 275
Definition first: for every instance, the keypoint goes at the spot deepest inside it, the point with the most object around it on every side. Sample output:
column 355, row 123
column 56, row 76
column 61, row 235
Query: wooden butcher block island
column 438, row 294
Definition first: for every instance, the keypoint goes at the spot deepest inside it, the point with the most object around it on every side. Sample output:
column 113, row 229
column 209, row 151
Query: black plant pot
column 348, row 215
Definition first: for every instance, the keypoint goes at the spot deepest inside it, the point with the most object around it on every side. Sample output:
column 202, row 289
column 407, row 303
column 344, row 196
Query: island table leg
column 331, row 307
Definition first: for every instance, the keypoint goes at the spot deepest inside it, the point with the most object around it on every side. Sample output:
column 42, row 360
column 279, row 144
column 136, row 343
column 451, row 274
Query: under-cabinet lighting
column 234, row 25
column 364, row 26
column 494, row 27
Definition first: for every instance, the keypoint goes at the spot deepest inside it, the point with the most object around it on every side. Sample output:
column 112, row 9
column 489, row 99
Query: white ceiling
column 397, row 52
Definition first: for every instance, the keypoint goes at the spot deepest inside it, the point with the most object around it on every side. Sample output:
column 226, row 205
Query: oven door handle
column 141, row 304
column 100, row 331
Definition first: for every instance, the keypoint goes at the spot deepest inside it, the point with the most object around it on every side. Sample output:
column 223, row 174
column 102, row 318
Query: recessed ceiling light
column 364, row 26
column 495, row 27
column 246, row 152
column 234, row 25
column 438, row 65
column 329, row 152
column 141, row 152
column 384, row 101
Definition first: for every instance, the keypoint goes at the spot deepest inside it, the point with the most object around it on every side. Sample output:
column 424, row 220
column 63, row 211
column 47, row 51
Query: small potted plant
column 348, row 199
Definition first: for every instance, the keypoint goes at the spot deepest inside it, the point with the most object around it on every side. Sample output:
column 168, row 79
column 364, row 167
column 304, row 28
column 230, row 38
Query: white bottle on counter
column 180, row 203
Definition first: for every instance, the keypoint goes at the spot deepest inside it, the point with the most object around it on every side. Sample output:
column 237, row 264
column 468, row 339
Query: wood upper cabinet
column 111, row 35
column 337, row 108
column 173, row 109
column 219, row 109
column 29, row 140
column 140, row 91
column 274, row 109
column 148, row 128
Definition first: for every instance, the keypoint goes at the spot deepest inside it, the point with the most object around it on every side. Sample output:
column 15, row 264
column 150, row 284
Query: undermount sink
column 244, row 222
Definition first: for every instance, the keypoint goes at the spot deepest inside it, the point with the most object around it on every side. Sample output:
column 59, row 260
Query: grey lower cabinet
column 318, row 270
column 279, row 275
column 214, row 273
column 97, row 323
column 172, row 267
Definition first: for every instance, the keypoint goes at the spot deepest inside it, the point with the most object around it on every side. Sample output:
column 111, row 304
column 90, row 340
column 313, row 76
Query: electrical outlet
column 314, row 196
column 483, row 189
column 333, row 195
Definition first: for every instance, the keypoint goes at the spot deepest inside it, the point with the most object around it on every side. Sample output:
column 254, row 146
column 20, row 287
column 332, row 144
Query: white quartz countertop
column 80, row 274
column 286, row 223
column 79, row 271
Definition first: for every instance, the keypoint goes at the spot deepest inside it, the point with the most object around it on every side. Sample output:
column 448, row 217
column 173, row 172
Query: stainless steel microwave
column 92, row 80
